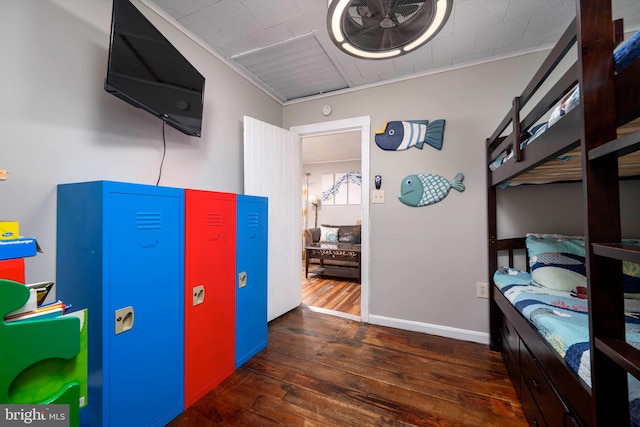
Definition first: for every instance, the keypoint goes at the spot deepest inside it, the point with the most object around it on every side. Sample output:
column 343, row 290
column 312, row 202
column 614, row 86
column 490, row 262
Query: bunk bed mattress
column 561, row 318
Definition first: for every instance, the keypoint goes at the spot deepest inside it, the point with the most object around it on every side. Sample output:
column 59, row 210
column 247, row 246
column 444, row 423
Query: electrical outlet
column 377, row 196
column 482, row 290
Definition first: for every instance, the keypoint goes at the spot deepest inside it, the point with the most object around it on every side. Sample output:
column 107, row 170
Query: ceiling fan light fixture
column 382, row 29
column 334, row 21
column 443, row 9
column 369, row 55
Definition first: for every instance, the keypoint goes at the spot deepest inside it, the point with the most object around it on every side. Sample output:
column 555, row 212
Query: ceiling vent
column 381, row 29
column 294, row 69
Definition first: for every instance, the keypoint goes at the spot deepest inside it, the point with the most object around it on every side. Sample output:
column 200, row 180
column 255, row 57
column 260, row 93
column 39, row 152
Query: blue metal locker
column 251, row 281
column 120, row 253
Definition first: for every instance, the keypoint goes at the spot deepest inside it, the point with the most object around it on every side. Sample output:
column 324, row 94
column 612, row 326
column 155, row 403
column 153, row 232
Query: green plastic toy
column 30, row 348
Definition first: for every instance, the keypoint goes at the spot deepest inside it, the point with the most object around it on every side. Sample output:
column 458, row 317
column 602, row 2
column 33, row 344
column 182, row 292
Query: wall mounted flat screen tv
column 147, row 71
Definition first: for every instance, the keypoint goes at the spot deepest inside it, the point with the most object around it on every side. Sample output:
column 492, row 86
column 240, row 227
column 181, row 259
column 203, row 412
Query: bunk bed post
column 602, row 206
column 494, row 319
column 517, row 128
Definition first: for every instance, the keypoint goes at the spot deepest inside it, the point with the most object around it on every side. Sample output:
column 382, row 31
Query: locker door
column 251, row 286
column 144, row 270
column 210, row 270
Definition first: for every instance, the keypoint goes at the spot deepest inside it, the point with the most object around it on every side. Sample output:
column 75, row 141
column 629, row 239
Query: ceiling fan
column 382, row 29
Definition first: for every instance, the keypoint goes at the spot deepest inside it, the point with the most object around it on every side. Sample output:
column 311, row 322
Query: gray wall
column 557, row 208
column 425, row 262
column 331, row 214
column 57, row 124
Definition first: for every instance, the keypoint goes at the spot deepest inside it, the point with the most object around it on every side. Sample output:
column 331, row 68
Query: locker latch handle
column 198, row 295
column 124, row 319
column 242, row 279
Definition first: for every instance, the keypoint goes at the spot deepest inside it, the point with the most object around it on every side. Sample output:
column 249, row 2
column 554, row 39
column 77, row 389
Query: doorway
column 358, row 128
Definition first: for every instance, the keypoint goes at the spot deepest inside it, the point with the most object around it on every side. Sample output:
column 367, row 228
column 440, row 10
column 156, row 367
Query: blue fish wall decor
column 426, row 189
column 402, row 135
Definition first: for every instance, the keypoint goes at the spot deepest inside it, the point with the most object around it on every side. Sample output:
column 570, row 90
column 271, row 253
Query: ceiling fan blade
column 367, row 38
column 388, row 6
column 404, row 10
column 363, row 32
column 376, row 7
column 386, row 40
column 406, row 32
column 353, row 27
column 398, row 37
column 372, row 22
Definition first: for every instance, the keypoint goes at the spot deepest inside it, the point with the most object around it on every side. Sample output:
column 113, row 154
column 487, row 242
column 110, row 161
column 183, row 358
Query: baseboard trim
column 428, row 328
column 334, row 313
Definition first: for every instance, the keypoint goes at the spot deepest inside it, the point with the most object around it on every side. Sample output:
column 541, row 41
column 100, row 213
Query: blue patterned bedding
column 561, row 319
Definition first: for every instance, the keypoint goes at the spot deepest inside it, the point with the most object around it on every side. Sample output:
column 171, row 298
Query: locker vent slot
column 214, row 219
column 253, row 220
column 213, row 225
column 148, row 220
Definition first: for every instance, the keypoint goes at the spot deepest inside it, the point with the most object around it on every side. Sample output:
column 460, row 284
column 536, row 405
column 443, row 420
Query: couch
column 345, row 234
column 339, row 249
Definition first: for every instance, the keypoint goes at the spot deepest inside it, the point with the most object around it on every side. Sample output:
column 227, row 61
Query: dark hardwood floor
column 323, row 370
column 331, row 293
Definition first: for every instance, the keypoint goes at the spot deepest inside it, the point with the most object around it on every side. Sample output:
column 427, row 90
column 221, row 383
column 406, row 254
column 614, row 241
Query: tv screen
column 147, row 71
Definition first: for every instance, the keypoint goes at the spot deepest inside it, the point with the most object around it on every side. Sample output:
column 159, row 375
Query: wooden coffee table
column 347, row 254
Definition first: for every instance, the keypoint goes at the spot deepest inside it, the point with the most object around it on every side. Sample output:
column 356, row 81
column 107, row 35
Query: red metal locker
column 210, row 250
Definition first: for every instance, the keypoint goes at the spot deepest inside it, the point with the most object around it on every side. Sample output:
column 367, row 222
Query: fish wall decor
column 426, row 189
column 402, row 135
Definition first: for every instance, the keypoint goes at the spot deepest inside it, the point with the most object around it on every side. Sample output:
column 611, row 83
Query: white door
column 272, row 168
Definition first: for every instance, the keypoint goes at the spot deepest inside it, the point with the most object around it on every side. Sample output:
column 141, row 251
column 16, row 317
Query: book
column 46, row 311
column 42, row 290
column 37, row 294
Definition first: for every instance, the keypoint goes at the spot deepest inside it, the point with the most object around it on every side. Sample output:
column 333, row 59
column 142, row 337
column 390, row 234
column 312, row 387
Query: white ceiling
column 283, row 45
column 334, row 147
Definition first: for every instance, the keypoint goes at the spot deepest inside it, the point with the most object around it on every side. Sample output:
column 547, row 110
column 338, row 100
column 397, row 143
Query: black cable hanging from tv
column 164, row 152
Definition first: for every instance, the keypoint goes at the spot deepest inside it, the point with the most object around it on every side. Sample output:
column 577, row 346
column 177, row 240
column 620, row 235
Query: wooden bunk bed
column 601, row 129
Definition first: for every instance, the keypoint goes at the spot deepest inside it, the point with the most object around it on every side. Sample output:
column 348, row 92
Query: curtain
column 305, row 208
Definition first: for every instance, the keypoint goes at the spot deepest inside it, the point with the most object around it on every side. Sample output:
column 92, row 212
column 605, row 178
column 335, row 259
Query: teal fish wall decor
column 402, row 135
column 426, row 189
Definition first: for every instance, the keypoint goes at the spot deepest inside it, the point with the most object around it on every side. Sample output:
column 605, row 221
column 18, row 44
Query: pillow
column 557, row 262
column 315, row 234
column 348, row 233
column 328, row 234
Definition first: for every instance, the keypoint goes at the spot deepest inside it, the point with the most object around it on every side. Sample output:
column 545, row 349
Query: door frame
column 362, row 124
